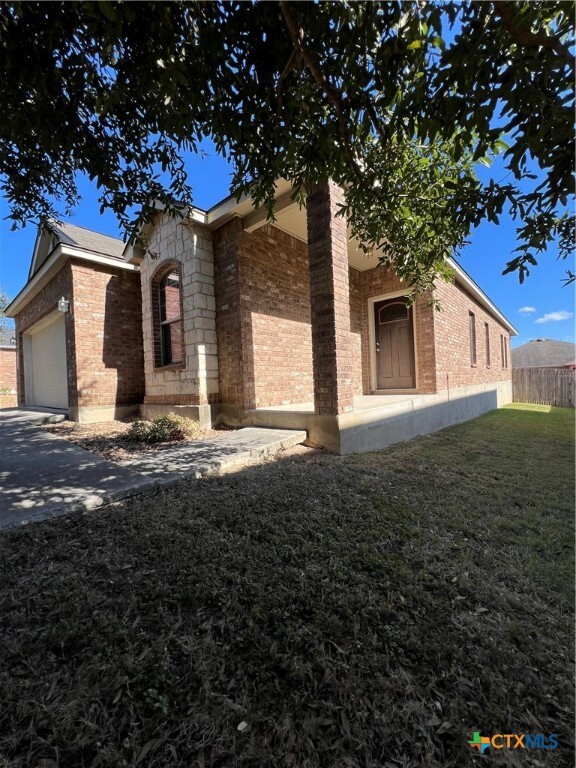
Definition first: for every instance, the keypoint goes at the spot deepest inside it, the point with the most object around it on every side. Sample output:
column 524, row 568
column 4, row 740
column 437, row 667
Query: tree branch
column 313, row 63
column 506, row 11
column 290, row 65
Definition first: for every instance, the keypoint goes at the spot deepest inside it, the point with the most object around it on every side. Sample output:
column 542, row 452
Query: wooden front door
column 394, row 344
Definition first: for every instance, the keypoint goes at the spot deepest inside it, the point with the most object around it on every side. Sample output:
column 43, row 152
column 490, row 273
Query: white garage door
column 48, row 353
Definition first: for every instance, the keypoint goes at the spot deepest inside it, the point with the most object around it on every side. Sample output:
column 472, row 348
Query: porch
column 378, row 421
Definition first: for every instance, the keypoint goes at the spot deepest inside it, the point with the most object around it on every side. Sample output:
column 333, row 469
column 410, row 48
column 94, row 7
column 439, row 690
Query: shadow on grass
column 369, row 611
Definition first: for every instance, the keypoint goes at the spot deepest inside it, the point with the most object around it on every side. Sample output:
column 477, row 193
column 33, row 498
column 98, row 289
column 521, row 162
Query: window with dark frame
column 487, row 331
column 502, row 350
column 505, row 351
column 472, row 325
column 170, row 319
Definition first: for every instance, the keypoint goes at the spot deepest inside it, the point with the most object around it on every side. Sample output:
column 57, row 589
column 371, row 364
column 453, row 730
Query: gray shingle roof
column 543, row 352
column 70, row 234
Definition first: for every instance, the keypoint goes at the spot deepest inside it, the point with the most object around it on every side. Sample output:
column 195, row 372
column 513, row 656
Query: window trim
column 156, row 285
column 487, row 341
column 472, row 339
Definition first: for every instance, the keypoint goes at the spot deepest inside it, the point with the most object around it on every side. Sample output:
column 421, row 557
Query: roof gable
column 53, row 234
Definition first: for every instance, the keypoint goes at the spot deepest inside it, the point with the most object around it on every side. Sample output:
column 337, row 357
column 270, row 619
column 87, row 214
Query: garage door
column 48, row 353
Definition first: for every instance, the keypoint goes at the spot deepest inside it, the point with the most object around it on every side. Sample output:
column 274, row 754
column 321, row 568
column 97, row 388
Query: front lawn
column 371, row 611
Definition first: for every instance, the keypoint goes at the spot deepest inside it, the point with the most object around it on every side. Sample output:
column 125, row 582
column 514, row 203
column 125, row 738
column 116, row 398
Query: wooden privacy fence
column 546, row 386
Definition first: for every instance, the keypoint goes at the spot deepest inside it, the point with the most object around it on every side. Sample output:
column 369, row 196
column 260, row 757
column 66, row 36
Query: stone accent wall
column 195, row 382
column 106, row 312
column 332, row 344
column 452, row 332
column 45, row 302
column 8, row 368
column 383, row 280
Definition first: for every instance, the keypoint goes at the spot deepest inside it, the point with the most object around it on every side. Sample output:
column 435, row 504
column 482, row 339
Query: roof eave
column 465, row 280
column 52, row 265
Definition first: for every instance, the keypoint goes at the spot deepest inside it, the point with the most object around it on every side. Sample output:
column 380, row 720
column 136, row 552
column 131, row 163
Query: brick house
column 228, row 317
column 88, row 359
column 7, row 373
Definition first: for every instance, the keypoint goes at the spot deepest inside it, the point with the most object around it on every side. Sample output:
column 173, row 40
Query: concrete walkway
column 43, row 476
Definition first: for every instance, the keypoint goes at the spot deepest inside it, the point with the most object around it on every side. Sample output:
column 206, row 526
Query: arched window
column 396, row 310
column 167, row 309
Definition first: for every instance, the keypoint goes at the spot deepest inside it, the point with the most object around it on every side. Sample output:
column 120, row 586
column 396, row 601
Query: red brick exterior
column 103, row 333
column 8, row 368
column 45, row 302
column 452, row 333
column 357, row 320
column 264, row 324
column 292, row 324
column 262, row 317
column 107, row 314
column 230, row 322
column 332, row 343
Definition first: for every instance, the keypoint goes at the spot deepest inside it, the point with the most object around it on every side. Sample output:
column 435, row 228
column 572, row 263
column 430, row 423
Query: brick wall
column 332, row 347
column 195, row 381
column 381, row 281
column 264, row 328
column 356, row 328
column 8, row 368
column 452, row 333
column 263, row 317
column 106, row 311
column 275, row 300
column 42, row 304
column 229, row 328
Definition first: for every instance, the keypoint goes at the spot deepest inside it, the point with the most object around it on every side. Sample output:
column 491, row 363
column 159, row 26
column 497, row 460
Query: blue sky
column 541, row 307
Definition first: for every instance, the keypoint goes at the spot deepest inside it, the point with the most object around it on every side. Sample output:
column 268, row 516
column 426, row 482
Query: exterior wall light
column 63, row 305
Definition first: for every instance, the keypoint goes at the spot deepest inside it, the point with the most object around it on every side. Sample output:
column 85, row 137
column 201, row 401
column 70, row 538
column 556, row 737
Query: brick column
column 332, row 350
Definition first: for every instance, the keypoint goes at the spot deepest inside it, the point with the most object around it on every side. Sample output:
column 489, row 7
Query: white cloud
column 526, row 310
column 555, row 317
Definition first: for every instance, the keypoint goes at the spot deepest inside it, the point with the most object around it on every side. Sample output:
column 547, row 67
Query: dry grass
column 361, row 612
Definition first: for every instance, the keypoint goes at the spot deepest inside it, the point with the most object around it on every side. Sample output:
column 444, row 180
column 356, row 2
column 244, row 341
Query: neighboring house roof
column 6, row 335
column 543, row 353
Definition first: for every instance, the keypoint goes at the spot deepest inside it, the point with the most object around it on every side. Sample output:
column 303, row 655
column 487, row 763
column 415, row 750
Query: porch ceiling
column 292, row 219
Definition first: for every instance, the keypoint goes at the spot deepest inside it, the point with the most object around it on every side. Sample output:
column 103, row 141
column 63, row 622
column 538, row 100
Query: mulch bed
column 109, row 439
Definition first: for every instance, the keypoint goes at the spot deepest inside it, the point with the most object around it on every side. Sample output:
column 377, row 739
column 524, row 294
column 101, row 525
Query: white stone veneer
column 182, row 240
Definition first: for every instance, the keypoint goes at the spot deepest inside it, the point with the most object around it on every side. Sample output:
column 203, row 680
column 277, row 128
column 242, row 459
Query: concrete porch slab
column 229, row 450
column 378, row 421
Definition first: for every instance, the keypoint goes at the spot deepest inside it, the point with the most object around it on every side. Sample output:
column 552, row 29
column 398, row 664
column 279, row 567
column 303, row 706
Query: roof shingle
column 70, row 234
column 542, row 353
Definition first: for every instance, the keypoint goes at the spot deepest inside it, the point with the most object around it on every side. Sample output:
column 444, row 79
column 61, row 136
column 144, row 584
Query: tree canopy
column 396, row 101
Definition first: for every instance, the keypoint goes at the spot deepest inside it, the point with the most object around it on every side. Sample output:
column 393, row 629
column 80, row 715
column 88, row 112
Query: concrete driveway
column 43, row 476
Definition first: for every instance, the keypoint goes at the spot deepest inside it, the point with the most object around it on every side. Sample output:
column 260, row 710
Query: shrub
column 164, row 429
